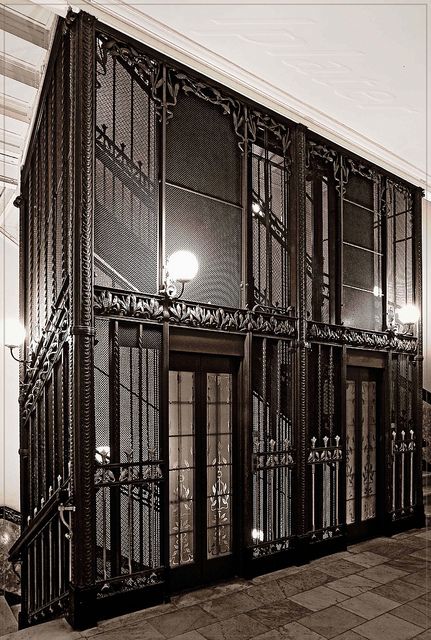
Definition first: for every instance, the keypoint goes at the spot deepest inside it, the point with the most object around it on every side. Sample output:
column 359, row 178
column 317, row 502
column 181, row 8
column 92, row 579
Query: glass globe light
column 408, row 314
column 255, row 207
column 14, row 333
column 182, row 266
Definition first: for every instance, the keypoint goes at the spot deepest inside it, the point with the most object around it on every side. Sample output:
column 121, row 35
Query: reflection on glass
column 181, row 467
column 219, row 464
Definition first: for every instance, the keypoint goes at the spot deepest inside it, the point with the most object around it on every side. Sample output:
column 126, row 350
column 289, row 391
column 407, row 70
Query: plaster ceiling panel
column 21, row 50
column 359, row 67
column 17, row 90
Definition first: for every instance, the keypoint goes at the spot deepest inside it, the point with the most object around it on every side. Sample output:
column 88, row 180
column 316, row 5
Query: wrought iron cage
column 303, row 248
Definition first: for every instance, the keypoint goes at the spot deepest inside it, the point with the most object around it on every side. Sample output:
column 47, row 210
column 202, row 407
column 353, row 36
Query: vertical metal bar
column 247, row 232
column 403, row 454
column 162, row 182
column 411, row 466
column 393, row 445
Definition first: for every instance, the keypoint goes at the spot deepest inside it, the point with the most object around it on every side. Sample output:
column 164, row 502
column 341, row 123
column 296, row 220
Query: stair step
column 8, row 623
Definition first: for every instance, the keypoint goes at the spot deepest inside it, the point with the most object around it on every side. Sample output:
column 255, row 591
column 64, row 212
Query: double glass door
column 202, row 468
column 363, row 450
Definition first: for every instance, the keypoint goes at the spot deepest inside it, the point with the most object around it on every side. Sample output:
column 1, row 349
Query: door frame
column 377, row 364
column 212, row 360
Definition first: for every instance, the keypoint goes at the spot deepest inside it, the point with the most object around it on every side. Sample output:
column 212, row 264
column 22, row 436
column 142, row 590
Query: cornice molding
column 174, row 44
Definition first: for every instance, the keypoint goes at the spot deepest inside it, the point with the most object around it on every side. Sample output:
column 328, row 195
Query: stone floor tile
column 349, row 635
column 240, row 627
column 304, row 580
column 368, row 605
column 388, row 627
column 195, row 597
column 424, row 553
column 54, row 630
column 265, row 593
column 178, row 622
column 383, row 573
column 353, row 585
column 129, row 619
column 406, row 612
column 369, row 559
column 318, row 598
column 189, row 635
column 392, row 549
column 400, row 591
column 426, row 635
column 424, row 534
column 276, row 575
column 409, row 564
column 340, row 568
column 291, row 631
column 423, row 603
column 230, row 605
column 138, row 631
column 422, row 578
column 277, row 614
column 331, row 622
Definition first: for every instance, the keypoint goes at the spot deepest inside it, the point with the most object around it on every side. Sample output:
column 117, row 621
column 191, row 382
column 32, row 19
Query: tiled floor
column 376, row 590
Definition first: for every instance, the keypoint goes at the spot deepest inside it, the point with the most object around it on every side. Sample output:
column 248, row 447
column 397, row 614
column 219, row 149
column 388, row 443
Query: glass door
column 202, row 410
column 363, row 417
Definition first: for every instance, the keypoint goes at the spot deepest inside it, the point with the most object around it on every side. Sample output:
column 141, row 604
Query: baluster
column 393, row 446
column 50, row 594
column 412, row 448
column 42, row 563
column 337, row 470
column 313, row 487
column 60, row 559
column 403, row 454
column 325, row 483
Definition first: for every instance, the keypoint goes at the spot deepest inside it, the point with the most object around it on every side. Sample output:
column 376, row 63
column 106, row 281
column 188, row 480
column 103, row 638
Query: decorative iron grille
column 325, row 449
column 128, row 466
column 273, row 445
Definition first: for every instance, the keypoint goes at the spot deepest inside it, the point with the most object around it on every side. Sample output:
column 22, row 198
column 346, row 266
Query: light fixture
column 256, row 209
column 257, row 535
column 402, row 320
column 14, row 334
column 103, row 453
column 408, row 314
column 182, row 267
column 377, row 292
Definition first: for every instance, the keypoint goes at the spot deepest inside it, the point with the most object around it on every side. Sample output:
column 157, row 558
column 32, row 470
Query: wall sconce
column 182, row 267
column 402, row 320
column 14, row 334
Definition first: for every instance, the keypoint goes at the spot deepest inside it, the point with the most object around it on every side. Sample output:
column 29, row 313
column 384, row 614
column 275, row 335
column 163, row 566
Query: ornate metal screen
column 270, row 173
column 400, row 273
column 273, row 445
column 403, row 437
column 126, row 174
column 128, row 465
column 325, row 448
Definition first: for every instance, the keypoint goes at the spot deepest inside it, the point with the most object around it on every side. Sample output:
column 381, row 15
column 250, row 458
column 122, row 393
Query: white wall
column 9, row 420
column 426, row 286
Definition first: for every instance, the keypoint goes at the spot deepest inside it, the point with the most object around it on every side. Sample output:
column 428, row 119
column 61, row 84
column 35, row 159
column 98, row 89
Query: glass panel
column 219, row 464
column 350, row 451
column 368, row 446
column 181, row 467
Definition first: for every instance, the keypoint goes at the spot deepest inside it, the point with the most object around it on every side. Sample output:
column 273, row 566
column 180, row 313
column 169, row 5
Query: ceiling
column 355, row 73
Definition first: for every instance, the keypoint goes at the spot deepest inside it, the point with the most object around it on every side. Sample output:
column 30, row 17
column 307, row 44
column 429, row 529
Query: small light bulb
column 182, row 266
column 255, row 207
column 14, row 333
column 408, row 314
column 257, row 534
column 377, row 292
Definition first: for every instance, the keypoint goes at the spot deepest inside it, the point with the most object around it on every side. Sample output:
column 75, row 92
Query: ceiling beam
column 19, row 71
column 23, row 27
column 15, row 109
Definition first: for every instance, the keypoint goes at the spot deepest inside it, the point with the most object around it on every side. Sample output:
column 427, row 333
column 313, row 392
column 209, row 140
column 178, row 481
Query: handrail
column 39, row 521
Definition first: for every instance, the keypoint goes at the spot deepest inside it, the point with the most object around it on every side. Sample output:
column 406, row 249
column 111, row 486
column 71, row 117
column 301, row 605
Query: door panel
column 362, row 449
column 202, row 413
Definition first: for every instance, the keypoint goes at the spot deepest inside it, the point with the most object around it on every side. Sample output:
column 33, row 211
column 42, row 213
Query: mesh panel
column 400, row 247
column 273, row 384
column 317, row 248
column 212, row 231
column 128, row 538
column 126, row 215
column 202, row 151
column 270, row 228
column 362, row 256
